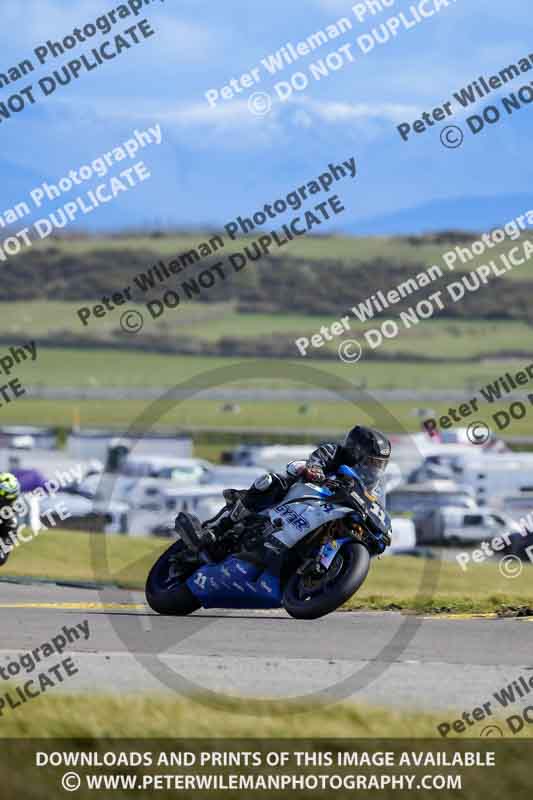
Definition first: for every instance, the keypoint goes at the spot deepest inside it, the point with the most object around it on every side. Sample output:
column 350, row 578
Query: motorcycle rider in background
column 9, row 494
column 364, row 449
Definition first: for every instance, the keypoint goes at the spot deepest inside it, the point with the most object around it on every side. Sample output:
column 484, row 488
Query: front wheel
column 165, row 590
column 310, row 597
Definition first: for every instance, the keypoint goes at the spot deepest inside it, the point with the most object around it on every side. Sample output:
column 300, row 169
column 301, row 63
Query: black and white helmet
column 370, row 450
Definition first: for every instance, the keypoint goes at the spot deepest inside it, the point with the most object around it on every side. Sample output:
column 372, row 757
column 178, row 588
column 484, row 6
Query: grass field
column 77, row 556
column 253, row 418
column 157, row 716
column 214, row 321
column 130, row 368
column 403, row 583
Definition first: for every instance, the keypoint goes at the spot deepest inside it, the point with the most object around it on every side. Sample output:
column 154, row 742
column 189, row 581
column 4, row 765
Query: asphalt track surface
column 385, row 659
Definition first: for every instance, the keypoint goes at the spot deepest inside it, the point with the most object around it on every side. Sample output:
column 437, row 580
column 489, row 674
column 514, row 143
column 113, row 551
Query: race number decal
column 200, row 580
column 378, row 512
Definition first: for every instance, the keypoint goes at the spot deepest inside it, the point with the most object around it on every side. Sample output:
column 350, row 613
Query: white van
column 493, row 477
column 413, row 498
column 520, row 508
column 462, row 527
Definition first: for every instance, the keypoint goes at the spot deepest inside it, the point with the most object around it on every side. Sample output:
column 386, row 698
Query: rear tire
column 356, row 563
column 165, row 596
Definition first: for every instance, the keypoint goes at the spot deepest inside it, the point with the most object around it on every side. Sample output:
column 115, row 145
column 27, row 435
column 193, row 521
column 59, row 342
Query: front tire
column 166, row 593
column 347, row 571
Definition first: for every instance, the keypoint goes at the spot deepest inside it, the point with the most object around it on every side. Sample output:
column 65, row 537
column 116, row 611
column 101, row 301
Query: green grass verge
column 406, row 583
column 72, row 555
column 251, row 417
column 434, row 586
column 213, row 321
column 149, row 715
column 56, row 367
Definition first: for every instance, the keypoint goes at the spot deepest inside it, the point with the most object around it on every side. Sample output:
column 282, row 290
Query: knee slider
column 295, row 468
column 263, row 482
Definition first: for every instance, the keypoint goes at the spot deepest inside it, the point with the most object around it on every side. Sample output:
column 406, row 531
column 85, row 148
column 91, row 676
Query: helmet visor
column 371, row 470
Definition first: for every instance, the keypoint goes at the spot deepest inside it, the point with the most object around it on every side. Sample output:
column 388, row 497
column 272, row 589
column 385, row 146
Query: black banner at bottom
column 245, row 768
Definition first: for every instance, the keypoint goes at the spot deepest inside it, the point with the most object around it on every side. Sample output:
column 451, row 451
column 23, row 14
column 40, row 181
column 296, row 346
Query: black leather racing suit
column 329, row 456
column 7, row 527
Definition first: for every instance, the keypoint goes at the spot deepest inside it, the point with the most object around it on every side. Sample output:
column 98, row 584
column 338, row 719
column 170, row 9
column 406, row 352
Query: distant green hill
column 318, row 275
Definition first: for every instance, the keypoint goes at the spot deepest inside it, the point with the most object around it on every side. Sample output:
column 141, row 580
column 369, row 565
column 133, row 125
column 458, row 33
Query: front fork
column 329, row 550
column 324, row 558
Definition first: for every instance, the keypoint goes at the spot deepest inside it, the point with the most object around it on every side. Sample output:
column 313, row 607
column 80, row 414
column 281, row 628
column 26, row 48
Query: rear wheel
column 165, row 590
column 310, row 597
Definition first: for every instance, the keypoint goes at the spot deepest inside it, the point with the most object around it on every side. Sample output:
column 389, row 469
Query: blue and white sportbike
column 308, row 554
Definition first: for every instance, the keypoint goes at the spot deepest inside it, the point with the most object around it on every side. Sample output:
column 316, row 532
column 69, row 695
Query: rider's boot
column 206, row 536
column 235, row 511
column 4, row 555
column 8, row 530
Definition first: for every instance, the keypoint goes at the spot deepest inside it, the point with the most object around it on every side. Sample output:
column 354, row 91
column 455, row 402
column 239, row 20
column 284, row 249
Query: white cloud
column 177, row 40
column 301, row 111
column 230, row 115
column 342, row 112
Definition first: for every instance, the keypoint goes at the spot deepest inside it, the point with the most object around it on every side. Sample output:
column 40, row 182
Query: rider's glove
column 314, row 474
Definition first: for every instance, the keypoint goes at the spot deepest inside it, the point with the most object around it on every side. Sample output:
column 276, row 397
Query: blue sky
column 216, row 163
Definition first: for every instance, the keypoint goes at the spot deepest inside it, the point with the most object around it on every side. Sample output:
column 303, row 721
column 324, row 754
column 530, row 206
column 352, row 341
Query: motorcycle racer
column 364, row 449
column 9, row 494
